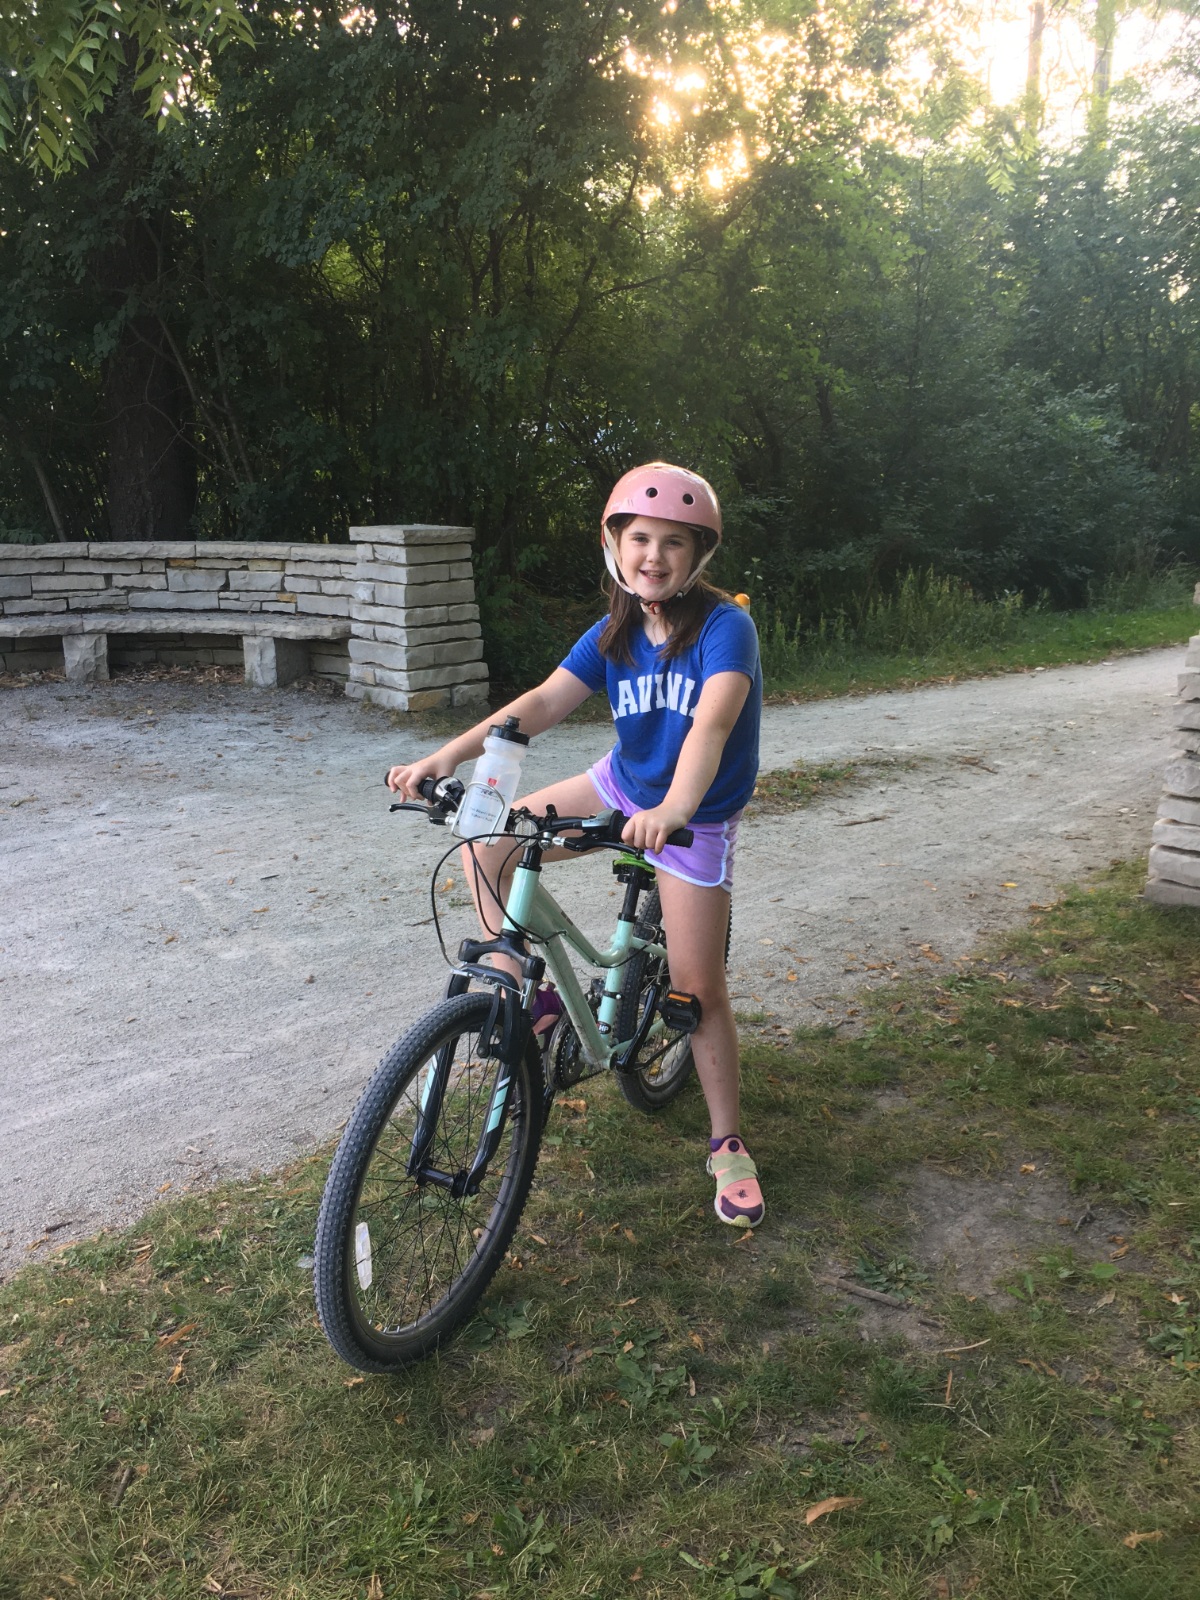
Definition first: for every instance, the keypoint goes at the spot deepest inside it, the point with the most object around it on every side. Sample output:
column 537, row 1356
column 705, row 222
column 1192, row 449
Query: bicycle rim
column 400, row 1261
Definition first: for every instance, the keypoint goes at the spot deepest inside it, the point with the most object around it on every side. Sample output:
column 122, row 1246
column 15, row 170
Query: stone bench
column 275, row 647
column 405, row 631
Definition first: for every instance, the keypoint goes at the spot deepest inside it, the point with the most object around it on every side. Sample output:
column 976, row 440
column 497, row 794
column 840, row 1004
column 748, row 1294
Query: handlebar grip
column 428, row 789
column 682, row 837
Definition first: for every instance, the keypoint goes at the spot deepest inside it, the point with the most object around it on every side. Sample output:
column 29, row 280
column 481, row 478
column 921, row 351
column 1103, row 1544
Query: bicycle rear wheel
column 401, row 1261
column 661, row 1067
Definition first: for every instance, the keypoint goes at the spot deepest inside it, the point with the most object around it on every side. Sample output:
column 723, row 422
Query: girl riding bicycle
column 679, row 660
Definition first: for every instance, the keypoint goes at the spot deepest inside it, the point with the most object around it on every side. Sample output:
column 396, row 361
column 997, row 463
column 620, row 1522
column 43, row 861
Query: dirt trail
column 212, row 927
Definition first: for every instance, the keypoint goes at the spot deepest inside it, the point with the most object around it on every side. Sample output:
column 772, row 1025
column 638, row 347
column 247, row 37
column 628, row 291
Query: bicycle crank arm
column 649, row 1019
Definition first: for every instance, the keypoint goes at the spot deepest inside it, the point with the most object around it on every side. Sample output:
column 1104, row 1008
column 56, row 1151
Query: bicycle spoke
column 422, row 1238
column 401, row 1260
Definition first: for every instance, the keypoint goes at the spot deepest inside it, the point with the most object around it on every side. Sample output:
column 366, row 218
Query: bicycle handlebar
column 444, row 794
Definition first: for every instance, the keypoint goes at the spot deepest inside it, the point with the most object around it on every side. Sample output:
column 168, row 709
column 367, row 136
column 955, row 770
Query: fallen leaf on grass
column 480, row 1437
column 579, row 1106
column 375, row 1588
column 470, row 1517
column 621, row 1304
column 177, row 1372
column 697, row 1341
column 352, row 1383
column 1132, row 1540
column 837, row 1502
column 174, row 1338
column 1184, row 995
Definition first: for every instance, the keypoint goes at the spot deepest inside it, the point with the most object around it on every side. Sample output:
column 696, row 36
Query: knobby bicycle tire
column 400, row 1263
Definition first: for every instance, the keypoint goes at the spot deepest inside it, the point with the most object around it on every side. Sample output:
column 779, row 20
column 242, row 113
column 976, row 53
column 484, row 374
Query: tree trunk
column 1033, row 67
column 1104, row 34
column 151, row 466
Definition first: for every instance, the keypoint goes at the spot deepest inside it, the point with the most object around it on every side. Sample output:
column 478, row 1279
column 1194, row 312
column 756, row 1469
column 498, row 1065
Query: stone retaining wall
column 1175, row 842
column 407, row 592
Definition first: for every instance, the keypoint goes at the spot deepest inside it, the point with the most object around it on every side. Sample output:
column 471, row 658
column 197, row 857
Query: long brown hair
column 684, row 616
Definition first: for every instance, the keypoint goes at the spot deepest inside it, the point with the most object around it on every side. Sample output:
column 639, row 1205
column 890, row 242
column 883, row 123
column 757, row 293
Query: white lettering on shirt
column 650, row 694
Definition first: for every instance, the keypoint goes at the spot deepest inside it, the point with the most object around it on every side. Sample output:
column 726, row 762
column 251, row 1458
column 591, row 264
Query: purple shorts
column 708, row 861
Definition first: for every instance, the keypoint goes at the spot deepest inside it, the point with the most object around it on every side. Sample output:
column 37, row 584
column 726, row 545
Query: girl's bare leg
column 696, row 920
column 493, row 864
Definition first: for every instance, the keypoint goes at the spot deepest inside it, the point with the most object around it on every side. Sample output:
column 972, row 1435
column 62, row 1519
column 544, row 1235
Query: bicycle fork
column 502, row 1039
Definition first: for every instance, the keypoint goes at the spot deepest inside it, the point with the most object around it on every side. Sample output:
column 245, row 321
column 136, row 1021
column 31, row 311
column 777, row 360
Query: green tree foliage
column 423, row 262
column 65, row 60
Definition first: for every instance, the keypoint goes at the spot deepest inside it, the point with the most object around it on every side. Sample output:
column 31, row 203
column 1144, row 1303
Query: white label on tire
column 362, row 1254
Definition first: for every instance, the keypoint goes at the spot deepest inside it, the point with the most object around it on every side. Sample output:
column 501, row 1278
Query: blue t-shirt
column 654, row 700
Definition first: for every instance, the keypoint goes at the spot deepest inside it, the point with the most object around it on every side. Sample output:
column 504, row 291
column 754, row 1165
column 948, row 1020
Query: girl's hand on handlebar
column 650, row 830
column 407, row 780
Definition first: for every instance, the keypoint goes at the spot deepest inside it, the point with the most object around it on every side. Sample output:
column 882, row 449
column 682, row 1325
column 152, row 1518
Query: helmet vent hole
column 651, row 492
column 689, row 500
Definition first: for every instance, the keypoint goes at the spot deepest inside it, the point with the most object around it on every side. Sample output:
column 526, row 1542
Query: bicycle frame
column 533, row 908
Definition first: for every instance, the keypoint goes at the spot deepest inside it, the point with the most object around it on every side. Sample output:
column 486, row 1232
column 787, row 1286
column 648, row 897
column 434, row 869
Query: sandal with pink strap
column 739, row 1200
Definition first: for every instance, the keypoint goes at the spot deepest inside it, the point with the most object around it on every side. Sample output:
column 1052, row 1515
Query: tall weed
column 925, row 613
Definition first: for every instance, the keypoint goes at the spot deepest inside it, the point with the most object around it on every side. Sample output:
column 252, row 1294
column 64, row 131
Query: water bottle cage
column 680, row 1012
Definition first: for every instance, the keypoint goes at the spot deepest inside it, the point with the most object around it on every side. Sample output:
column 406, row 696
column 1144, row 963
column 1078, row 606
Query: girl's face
column 656, row 557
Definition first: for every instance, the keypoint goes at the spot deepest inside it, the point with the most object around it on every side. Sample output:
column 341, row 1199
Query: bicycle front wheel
column 402, row 1260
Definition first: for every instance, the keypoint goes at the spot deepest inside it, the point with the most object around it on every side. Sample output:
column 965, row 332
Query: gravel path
column 212, row 927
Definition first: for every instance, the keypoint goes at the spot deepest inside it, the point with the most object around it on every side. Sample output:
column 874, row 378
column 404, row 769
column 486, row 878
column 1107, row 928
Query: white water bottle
column 493, row 786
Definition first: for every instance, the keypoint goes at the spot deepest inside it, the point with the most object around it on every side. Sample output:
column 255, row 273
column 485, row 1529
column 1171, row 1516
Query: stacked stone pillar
column 432, row 653
column 1175, row 843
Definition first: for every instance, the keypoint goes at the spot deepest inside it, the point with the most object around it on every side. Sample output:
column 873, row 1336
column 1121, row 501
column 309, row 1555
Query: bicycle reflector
column 680, row 1012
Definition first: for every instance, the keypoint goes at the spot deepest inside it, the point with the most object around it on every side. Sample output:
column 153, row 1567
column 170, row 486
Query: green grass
column 933, row 630
column 648, row 1406
column 783, row 789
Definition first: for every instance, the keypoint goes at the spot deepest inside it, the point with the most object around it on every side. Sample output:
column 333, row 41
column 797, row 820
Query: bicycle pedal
column 680, row 1012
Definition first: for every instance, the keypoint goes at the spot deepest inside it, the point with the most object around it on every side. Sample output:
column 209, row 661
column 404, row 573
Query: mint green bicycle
column 433, row 1170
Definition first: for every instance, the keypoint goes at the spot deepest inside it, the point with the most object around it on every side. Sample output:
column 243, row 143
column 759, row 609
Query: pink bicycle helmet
column 671, row 493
